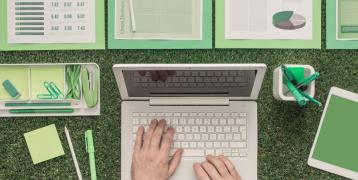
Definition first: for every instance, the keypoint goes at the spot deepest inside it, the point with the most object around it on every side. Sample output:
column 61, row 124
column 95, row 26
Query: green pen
column 310, row 98
column 32, row 111
column 90, row 150
column 28, row 104
column 308, row 80
column 295, row 92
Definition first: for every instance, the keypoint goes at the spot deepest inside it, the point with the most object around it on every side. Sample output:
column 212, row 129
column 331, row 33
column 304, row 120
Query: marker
column 310, row 98
column 295, row 92
column 90, row 150
column 31, row 111
column 289, row 75
column 308, row 80
column 73, row 154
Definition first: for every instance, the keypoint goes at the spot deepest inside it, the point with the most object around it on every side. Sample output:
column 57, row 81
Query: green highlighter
column 90, row 150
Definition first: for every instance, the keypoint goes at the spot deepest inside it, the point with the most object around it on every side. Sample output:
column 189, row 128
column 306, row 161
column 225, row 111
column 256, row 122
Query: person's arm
column 151, row 153
column 216, row 168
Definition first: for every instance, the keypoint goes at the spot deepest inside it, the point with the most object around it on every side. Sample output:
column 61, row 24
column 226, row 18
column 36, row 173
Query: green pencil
column 26, row 104
column 27, row 111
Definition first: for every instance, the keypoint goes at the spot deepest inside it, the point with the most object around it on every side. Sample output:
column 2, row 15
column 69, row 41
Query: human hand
column 216, row 168
column 158, row 75
column 151, row 153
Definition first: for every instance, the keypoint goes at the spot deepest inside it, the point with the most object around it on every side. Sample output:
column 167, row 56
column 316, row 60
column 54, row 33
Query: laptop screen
column 189, row 83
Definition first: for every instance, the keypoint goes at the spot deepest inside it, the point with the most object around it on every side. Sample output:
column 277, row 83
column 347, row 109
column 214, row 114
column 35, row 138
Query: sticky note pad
column 44, row 144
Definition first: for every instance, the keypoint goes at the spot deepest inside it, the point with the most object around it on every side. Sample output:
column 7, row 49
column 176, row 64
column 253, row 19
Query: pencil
column 131, row 11
column 74, row 158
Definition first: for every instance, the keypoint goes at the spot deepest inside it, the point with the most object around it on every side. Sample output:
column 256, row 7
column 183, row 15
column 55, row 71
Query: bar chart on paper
column 42, row 21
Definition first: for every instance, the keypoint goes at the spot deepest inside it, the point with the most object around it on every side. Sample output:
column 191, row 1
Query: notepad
column 41, row 74
column 159, row 19
column 44, row 144
column 19, row 77
column 268, row 24
column 160, row 24
column 341, row 16
column 347, row 13
column 42, row 21
column 258, row 19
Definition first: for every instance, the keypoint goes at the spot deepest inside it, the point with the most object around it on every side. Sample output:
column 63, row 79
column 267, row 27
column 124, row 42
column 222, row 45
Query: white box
column 279, row 89
column 79, row 106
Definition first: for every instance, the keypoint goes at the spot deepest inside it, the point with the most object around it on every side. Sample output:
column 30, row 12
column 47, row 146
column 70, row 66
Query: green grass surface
column 286, row 132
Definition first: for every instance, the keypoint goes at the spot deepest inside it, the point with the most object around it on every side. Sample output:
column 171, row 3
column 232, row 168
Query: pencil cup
column 280, row 91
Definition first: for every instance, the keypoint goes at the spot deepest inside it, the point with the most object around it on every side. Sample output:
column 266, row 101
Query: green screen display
column 337, row 143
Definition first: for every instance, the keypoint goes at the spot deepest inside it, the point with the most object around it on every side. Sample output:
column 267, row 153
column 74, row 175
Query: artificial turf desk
column 286, row 132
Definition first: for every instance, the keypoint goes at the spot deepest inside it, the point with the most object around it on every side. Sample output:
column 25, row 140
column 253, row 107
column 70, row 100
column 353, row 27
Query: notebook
column 342, row 24
column 335, row 147
column 159, row 24
column 268, row 24
column 51, row 25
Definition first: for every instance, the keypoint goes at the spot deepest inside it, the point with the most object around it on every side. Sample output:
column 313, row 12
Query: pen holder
column 280, row 91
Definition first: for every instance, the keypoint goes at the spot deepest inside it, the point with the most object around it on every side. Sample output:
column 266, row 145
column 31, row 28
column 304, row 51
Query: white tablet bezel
column 261, row 70
column 327, row 166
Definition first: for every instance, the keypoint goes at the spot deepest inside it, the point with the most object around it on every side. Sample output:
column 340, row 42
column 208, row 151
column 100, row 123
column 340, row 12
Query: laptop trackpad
column 186, row 170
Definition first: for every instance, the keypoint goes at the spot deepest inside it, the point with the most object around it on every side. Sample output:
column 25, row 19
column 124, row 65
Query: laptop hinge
column 189, row 101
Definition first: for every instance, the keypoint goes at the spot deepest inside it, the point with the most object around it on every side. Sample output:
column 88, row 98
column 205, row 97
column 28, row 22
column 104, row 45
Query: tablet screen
column 337, row 142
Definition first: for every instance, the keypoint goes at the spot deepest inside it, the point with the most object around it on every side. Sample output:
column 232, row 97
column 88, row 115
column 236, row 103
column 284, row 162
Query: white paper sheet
column 159, row 19
column 253, row 19
column 51, row 21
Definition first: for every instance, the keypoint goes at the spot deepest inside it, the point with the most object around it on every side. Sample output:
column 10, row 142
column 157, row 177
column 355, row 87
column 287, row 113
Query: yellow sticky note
column 44, row 144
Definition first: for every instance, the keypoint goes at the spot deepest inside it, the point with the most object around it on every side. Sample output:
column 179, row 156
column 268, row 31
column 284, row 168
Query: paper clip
column 54, row 91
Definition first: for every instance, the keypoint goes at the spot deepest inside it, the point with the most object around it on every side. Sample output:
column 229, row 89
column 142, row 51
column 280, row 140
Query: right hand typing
column 216, row 168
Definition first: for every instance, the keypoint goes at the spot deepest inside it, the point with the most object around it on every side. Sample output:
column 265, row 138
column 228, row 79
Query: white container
column 79, row 106
column 280, row 90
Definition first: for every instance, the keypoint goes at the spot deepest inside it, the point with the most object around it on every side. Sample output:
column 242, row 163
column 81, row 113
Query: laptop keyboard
column 202, row 133
column 197, row 79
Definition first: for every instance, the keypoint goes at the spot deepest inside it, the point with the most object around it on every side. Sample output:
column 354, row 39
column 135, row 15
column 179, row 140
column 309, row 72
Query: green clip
column 54, row 91
column 45, row 96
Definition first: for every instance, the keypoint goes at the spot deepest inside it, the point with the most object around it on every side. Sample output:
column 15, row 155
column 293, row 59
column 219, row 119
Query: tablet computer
column 335, row 148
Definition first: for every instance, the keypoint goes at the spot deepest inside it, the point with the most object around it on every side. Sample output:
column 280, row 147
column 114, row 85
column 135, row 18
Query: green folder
column 205, row 43
column 221, row 42
column 342, row 24
column 99, row 28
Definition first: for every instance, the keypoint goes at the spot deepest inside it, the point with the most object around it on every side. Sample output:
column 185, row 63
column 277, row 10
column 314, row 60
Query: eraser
column 10, row 88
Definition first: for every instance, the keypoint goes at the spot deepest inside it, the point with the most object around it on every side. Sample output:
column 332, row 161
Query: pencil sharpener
column 280, row 91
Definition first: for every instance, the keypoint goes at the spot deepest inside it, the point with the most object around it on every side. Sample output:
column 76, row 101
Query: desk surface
column 286, row 132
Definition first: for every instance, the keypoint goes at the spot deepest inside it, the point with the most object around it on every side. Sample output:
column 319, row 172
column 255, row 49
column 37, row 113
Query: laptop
column 211, row 106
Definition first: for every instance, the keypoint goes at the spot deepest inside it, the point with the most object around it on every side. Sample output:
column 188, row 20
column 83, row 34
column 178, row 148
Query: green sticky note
column 19, row 77
column 44, row 144
column 345, row 12
column 337, row 140
column 41, row 74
